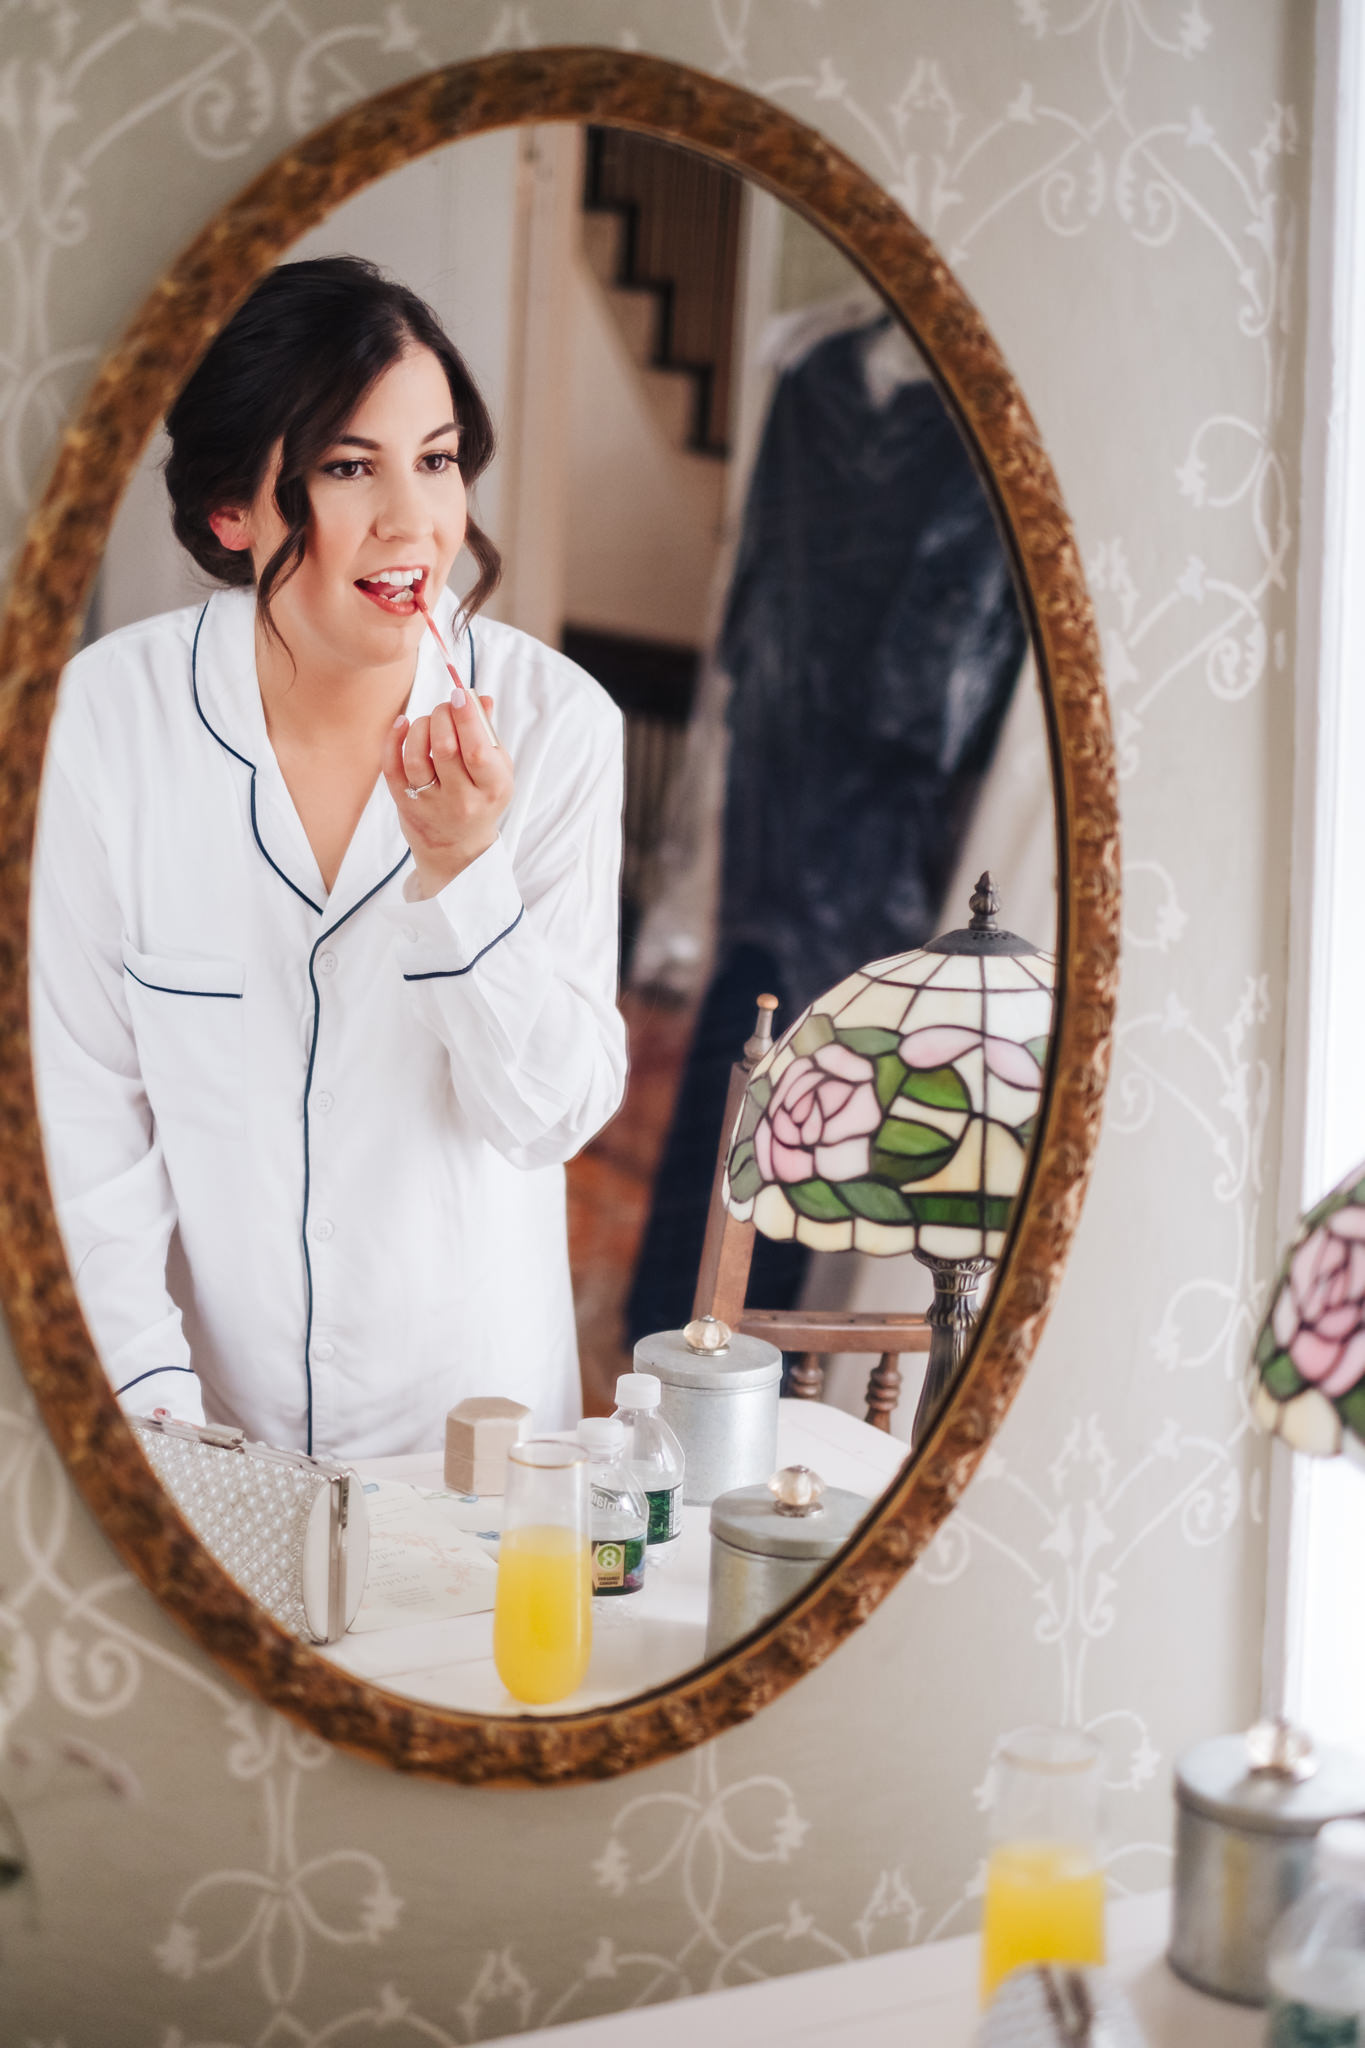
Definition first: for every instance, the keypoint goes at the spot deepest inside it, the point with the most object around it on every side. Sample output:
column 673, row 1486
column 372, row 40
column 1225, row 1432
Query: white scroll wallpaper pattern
column 1120, row 184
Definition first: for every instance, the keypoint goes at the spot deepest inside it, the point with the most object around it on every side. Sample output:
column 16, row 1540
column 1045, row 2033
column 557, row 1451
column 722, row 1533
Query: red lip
column 402, row 606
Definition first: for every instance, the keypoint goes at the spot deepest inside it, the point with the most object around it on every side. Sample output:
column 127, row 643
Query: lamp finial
column 985, row 903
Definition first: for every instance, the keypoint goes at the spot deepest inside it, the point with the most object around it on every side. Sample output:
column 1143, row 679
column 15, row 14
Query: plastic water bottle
column 1317, row 1951
column 618, row 1510
column 655, row 1455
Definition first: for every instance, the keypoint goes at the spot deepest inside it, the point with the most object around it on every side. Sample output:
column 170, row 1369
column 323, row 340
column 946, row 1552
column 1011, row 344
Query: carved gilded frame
column 61, row 553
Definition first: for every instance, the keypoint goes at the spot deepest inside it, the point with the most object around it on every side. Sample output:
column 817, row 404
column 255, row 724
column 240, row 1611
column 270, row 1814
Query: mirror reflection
column 559, row 613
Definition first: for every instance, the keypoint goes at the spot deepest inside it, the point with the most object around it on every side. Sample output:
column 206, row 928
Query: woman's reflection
column 323, row 993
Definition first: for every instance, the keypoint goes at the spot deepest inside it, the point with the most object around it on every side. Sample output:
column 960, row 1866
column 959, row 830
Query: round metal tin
column 1243, row 1853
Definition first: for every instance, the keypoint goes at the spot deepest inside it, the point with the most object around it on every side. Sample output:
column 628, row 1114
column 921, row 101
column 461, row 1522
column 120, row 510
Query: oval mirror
column 776, row 529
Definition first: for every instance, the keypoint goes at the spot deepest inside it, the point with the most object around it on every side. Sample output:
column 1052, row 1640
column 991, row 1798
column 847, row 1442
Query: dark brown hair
column 289, row 369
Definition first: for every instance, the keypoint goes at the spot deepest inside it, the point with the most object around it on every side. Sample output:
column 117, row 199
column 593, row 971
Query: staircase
column 661, row 234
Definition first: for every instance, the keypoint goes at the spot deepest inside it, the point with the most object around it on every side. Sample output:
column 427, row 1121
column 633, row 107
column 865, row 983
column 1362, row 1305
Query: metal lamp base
column 951, row 1319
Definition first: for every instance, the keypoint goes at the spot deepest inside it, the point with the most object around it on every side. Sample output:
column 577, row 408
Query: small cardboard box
column 479, row 1434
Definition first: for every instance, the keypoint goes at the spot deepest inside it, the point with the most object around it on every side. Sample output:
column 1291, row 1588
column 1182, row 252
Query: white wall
column 1121, row 192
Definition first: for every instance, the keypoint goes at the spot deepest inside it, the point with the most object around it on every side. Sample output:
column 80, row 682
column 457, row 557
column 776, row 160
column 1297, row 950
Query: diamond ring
column 410, row 791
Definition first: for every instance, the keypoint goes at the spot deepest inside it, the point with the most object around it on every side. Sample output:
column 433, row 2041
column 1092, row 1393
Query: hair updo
column 289, row 369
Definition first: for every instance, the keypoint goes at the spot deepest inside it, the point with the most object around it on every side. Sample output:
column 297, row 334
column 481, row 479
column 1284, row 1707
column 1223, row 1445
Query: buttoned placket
column 272, row 805
column 320, row 1258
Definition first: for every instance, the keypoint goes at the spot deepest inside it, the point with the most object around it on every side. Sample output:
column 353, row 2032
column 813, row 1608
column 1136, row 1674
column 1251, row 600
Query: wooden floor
column 609, row 1190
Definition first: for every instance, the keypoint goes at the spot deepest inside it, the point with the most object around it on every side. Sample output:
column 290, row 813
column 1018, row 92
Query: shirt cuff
column 444, row 935
column 173, row 1387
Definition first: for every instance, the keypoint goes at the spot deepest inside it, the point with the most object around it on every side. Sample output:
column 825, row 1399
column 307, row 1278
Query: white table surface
column 641, row 1640
column 915, row 1998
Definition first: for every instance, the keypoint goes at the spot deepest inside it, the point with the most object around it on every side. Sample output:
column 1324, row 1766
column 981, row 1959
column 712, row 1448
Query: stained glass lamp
column 896, row 1115
column 1310, row 1356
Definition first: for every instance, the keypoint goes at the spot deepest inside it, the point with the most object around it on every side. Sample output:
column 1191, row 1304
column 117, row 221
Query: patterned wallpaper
column 1121, row 185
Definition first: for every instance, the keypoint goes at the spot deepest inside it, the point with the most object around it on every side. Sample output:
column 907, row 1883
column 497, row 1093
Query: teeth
column 400, row 579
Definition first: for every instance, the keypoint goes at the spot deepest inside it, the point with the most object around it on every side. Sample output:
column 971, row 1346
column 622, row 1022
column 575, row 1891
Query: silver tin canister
column 1243, row 1847
column 721, row 1406
column 761, row 1555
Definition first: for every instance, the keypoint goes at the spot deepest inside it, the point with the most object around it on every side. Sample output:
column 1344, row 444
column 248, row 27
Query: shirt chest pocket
column 187, row 1020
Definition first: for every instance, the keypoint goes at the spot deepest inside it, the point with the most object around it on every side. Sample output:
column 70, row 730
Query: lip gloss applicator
column 472, row 695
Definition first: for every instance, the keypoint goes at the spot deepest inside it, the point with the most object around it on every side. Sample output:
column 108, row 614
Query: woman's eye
column 440, row 460
column 346, row 470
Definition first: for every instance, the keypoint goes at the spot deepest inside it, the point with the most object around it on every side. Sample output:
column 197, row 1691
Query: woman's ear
column 231, row 528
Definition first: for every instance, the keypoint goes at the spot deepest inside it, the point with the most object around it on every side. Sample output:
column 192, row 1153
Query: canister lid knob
column 707, row 1336
column 1282, row 1750
column 797, row 1490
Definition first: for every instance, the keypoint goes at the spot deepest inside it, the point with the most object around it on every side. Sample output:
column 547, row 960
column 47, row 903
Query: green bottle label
column 664, row 1518
column 618, row 1566
column 1308, row 2026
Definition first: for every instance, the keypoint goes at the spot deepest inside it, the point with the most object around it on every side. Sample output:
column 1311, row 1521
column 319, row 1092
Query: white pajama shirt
column 308, row 1149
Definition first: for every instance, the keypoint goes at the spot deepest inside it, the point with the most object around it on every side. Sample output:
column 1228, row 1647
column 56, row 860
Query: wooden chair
column 723, row 1281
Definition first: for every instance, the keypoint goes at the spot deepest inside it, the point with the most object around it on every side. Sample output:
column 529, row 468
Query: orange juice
column 542, row 1613
column 1044, row 1904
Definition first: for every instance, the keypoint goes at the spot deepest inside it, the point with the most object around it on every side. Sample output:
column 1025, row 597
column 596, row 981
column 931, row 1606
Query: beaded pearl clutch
column 292, row 1530
column 1053, row 2005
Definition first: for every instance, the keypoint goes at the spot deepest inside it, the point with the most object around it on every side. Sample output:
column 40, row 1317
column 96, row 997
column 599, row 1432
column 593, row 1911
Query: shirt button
column 324, row 1101
column 322, row 1229
column 327, row 963
column 410, row 934
column 322, row 1352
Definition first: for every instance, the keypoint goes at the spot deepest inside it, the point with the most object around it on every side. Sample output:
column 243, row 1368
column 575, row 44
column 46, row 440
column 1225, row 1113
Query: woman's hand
column 469, row 786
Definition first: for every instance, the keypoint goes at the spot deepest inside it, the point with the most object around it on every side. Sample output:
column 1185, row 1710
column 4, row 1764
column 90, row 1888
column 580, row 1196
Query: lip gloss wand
column 473, row 695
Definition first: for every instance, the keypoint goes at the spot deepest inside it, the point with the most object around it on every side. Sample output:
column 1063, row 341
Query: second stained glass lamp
column 1309, row 1362
column 896, row 1115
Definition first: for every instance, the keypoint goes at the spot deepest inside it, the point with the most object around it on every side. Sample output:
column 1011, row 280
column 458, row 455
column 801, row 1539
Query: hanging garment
column 308, row 1149
column 872, row 638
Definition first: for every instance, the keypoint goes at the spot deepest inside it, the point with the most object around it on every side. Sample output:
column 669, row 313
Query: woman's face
column 387, row 500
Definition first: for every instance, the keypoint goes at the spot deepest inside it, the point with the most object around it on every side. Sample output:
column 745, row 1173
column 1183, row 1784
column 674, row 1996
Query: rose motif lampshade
column 1310, row 1355
column 896, row 1115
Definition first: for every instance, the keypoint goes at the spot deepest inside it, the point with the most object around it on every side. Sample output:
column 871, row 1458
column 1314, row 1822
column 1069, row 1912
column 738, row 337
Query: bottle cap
column 1339, row 1853
column 638, row 1390
column 602, row 1433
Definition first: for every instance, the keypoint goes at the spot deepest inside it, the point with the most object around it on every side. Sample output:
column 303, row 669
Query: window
column 1315, row 1648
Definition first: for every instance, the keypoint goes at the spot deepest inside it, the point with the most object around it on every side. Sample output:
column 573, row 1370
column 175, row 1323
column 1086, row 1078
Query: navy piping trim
column 221, row 995
column 453, row 973
column 307, row 1161
column 151, row 1375
column 255, row 829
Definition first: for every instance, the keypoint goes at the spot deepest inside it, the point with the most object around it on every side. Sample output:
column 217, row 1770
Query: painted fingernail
column 400, row 720
column 457, row 696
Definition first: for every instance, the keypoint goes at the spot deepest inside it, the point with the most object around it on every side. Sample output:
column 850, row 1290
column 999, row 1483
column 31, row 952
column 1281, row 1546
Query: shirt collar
column 225, row 678
column 228, row 700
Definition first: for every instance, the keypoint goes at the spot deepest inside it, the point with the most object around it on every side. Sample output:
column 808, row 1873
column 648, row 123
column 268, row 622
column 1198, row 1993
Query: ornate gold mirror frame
column 62, row 550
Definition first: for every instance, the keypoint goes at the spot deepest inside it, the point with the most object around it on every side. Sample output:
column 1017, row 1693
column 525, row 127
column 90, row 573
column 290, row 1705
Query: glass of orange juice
column 1044, row 1884
column 542, row 1608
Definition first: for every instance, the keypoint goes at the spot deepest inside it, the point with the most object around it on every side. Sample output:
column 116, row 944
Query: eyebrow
column 359, row 441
